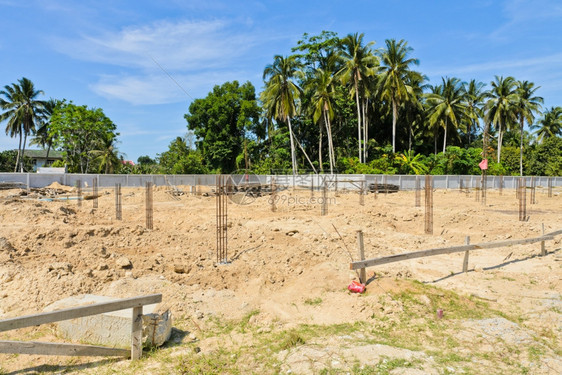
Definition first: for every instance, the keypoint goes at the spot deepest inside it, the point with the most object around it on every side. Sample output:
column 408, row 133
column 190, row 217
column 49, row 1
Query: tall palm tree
column 474, row 96
column 322, row 87
column 393, row 83
column 359, row 62
column 500, row 107
column 282, row 93
column 106, row 155
column 22, row 110
column 526, row 105
column 446, row 105
column 550, row 124
column 42, row 137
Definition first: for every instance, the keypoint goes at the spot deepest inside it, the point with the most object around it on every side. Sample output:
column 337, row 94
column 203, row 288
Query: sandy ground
column 279, row 260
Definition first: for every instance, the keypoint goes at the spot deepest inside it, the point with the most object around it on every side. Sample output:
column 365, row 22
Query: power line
column 169, row 75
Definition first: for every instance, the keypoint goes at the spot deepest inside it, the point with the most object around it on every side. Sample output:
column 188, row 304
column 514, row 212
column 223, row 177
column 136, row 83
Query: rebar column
column 533, row 187
column 311, row 186
column 522, row 199
column 428, row 204
column 418, row 192
column 385, row 185
column 95, row 192
column 361, row 193
column 79, row 192
column 484, row 185
column 149, row 205
column 501, row 184
column 221, row 220
column 273, row 195
column 118, row 206
column 550, row 187
column 375, row 187
column 324, row 210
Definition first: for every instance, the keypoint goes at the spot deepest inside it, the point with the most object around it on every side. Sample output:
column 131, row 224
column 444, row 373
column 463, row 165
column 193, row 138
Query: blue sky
column 106, row 54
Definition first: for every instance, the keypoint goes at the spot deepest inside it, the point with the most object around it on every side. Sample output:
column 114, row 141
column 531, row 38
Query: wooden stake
column 465, row 262
column 136, row 334
column 543, row 248
column 361, row 251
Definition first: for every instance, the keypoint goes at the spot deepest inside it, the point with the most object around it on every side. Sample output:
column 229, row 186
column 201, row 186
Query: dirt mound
column 57, row 186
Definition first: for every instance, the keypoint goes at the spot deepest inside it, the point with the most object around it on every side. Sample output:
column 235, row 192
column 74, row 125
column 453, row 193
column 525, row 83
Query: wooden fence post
column 136, row 333
column 361, row 250
column 465, row 261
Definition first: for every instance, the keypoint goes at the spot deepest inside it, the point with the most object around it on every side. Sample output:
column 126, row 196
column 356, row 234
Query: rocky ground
column 288, row 275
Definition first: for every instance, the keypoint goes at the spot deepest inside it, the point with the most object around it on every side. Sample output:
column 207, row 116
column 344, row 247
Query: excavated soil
column 279, row 261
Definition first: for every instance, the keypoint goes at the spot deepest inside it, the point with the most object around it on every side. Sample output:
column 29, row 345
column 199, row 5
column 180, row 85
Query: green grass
column 313, row 301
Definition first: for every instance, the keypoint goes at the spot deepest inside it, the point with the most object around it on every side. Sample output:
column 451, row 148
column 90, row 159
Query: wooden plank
column 443, row 250
column 136, row 334
column 78, row 312
column 50, row 348
column 557, row 233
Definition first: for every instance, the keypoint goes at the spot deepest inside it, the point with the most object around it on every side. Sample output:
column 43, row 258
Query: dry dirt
column 290, row 267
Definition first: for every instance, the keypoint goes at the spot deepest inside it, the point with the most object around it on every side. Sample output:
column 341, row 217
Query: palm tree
column 473, row 100
column 281, row 94
column 500, row 109
column 550, row 124
column 22, row 110
column 446, row 104
column 358, row 64
column 42, row 137
column 107, row 155
column 526, row 104
column 322, row 88
column 393, row 84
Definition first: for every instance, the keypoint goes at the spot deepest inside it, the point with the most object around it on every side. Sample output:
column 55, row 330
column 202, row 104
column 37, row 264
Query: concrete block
column 112, row 328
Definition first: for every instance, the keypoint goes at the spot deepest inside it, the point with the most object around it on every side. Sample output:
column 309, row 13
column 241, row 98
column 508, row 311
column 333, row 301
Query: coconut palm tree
column 446, row 105
column 500, row 107
column 106, row 155
column 549, row 125
column 359, row 62
column 393, row 82
column 42, row 137
column 322, row 87
column 474, row 96
column 281, row 94
column 526, row 105
column 22, row 110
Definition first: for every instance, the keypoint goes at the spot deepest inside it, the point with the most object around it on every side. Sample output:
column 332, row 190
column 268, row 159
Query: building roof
column 42, row 154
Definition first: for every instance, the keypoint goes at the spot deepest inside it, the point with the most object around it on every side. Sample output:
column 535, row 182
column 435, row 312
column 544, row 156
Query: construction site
column 461, row 275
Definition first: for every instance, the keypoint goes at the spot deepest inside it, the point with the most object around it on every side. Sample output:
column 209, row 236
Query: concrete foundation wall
column 342, row 181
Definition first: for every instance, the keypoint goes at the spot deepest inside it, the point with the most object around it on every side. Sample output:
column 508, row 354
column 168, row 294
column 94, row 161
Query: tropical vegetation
column 333, row 105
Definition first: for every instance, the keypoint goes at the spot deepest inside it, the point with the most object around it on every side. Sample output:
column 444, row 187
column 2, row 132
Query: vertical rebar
column 460, row 185
column 533, row 187
column 550, row 187
column 385, row 185
column 79, row 192
column 324, row 209
column 517, row 188
column 501, row 184
column 362, row 193
column 418, row 192
column 118, row 206
column 522, row 199
column 311, row 186
column 484, row 185
column 476, row 191
column 221, row 220
column 149, row 205
column 273, row 195
column 428, row 204
column 95, row 192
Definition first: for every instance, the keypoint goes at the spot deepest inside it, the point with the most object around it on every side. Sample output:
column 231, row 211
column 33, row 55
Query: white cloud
column 176, row 45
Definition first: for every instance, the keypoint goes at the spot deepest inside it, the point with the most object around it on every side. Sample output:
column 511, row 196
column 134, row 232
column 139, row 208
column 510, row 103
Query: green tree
column 282, row 93
column 393, row 83
column 77, row 131
column 21, row 110
column 106, row 156
column 526, row 105
column 222, row 121
column 42, row 137
column 500, row 107
column 446, row 105
column 359, row 63
column 410, row 163
column 474, row 96
column 8, row 159
column 550, row 124
column 180, row 159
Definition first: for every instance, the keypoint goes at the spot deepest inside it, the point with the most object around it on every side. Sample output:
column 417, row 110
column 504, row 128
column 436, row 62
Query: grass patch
column 313, row 301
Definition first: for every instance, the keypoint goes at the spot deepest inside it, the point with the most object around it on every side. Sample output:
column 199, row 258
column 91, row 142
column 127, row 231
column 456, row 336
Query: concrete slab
column 112, row 328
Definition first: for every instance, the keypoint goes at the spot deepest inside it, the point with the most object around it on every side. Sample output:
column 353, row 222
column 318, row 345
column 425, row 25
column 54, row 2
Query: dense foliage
column 335, row 105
